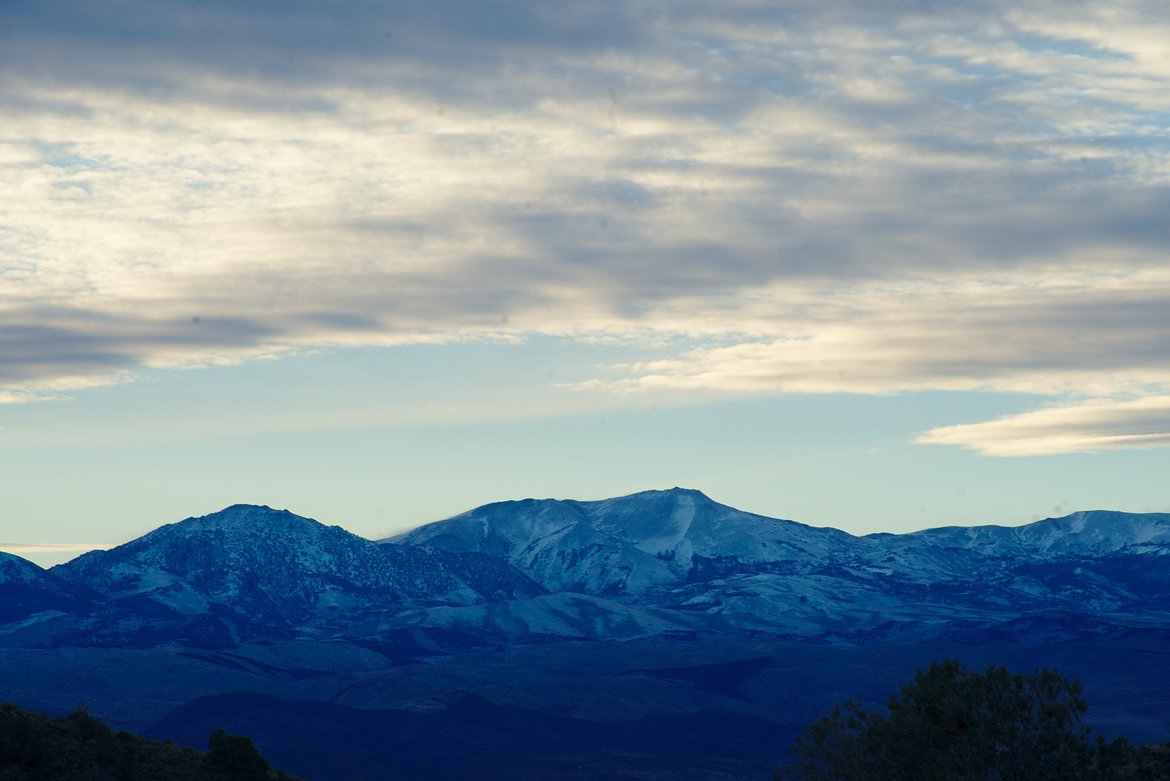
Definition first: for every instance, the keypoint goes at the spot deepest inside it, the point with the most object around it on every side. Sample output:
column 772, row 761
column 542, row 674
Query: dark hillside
column 36, row 747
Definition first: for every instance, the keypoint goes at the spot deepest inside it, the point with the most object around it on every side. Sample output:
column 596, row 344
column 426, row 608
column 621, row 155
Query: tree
column 951, row 724
column 235, row 758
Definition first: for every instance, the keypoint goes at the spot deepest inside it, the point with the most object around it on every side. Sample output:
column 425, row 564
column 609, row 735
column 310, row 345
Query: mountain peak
column 623, row 545
column 676, row 491
column 275, row 569
column 251, row 510
column 13, row 567
column 666, row 499
column 245, row 507
column 245, row 516
column 1094, row 532
column 1100, row 530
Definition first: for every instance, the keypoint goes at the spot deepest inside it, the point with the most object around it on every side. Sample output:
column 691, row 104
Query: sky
column 874, row 265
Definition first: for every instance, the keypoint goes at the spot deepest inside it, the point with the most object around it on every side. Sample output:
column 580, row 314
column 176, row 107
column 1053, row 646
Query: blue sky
column 879, row 266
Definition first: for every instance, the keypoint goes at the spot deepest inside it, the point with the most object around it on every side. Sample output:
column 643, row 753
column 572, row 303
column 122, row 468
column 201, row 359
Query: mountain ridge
column 654, row 563
column 249, row 571
column 680, row 551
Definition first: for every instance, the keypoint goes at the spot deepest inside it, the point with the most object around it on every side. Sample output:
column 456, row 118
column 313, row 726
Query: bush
column 950, row 724
column 234, row 758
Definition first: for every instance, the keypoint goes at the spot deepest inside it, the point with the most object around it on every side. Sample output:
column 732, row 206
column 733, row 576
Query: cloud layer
column 842, row 198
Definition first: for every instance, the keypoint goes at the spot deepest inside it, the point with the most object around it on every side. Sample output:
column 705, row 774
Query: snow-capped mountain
column 1093, row 533
column 26, row 590
column 677, row 550
column 656, row 563
column 629, row 545
column 250, row 566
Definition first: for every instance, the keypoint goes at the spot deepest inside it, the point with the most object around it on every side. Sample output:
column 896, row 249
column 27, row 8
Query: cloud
column 848, row 197
column 1090, row 426
column 26, row 548
column 1028, row 332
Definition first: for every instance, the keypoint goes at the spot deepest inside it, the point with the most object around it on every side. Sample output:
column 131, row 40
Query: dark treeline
column 953, row 724
column 80, row 747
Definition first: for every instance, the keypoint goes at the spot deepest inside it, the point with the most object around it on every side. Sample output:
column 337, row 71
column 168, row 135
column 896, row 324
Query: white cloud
column 46, row 554
column 21, row 548
column 1031, row 332
column 1090, row 426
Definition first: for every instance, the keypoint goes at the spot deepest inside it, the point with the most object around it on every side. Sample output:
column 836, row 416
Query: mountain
column 1093, row 533
column 250, row 571
column 715, row 568
column 27, row 590
column 628, row 545
column 547, row 618
column 670, row 563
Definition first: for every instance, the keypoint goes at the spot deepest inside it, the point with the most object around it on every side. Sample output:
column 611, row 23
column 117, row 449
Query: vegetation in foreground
column 80, row 747
column 952, row 724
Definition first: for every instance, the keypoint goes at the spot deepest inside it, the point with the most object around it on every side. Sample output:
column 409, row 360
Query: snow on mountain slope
column 655, row 562
column 551, row 617
column 627, row 545
column 1092, row 533
column 26, row 590
column 554, row 542
column 276, row 568
column 681, row 524
column 679, row 550
column 989, row 554
column 14, row 569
